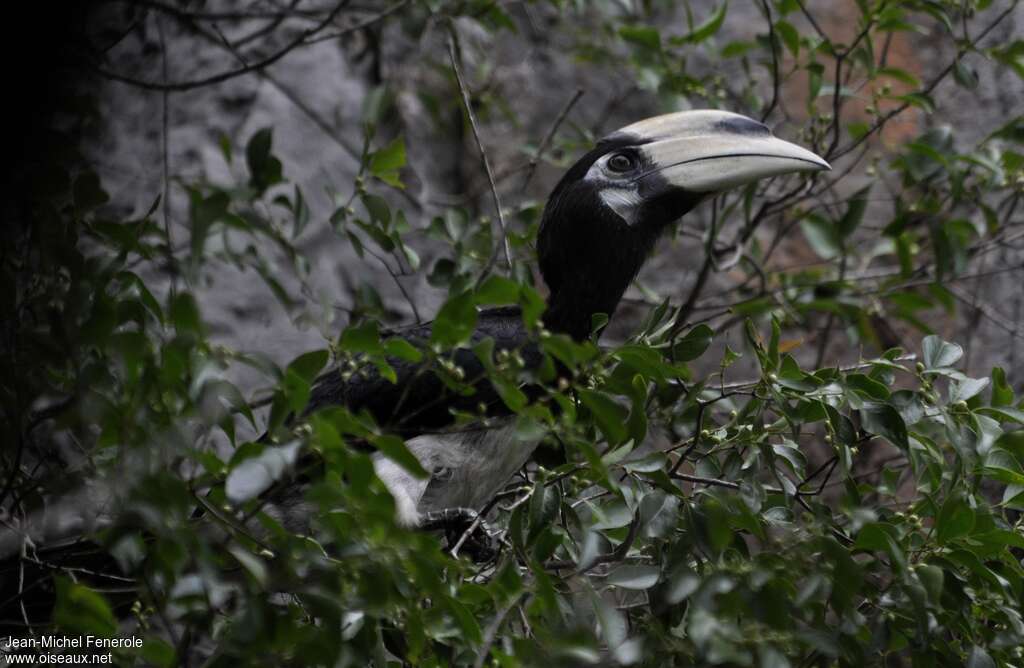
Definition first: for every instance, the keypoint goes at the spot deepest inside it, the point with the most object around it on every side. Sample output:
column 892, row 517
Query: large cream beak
column 710, row 151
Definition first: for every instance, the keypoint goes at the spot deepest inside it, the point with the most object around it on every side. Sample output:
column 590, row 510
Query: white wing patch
column 467, row 468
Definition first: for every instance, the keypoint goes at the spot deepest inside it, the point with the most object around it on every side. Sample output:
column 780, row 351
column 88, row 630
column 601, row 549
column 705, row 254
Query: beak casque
column 709, row 151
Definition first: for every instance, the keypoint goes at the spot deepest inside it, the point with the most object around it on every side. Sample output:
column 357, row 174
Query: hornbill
column 599, row 225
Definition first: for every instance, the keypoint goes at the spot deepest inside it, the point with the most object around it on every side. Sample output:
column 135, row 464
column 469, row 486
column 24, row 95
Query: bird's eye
column 621, row 163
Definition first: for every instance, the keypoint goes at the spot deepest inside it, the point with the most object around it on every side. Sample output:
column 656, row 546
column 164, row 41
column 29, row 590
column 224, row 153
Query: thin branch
column 165, row 159
column 812, row 21
column 618, row 554
column 775, row 62
column 266, row 29
column 701, row 406
column 222, row 16
column 491, row 632
column 881, row 122
column 467, row 104
column 917, row 282
column 228, row 74
column 701, row 480
column 844, row 369
column 705, row 271
column 366, row 23
column 548, row 137
column 985, row 310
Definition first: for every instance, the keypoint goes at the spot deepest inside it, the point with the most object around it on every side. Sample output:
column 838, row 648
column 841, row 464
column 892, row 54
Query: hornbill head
column 606, row 213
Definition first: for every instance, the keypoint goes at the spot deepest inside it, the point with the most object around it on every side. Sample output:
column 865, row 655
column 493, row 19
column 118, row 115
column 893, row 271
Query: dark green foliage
column 811, row 514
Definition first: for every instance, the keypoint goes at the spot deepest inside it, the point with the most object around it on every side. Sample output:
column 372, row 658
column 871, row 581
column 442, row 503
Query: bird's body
column 419, row 401
column 600, row 224
column 465, row 462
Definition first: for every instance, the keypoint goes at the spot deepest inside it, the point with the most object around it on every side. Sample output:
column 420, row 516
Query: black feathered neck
column 588, row 254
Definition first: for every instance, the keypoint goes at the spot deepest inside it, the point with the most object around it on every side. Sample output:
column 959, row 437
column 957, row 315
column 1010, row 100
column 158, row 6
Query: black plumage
column 420, row 400
column 600, row 224
column 587, row 258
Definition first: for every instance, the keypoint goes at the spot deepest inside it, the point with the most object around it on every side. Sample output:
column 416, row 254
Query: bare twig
column 985, row 310
column 548, row 137
column 223, row 16
column 467, row 104
column 881, row 122
column 851, row 367
column 702, row 480
column 366, row 23
column 775, row 62
column 618, row 554
column 228, row 74
column 702, row 277
column 814, row 24
column 915, row 282
column 165, row 159
column 491, row 632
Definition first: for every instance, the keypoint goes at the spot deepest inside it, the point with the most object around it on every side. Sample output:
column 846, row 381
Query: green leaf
column 307, row 365
column 394, row 448
column 402, row 349
column 854, row 214
column 156, row 652
column 789, row 36
column 903, row 76
column 693, row 345
column 955, row 520
column 962, row 390
column 388, row 159
column 965, row 75
column 1002, row 393
column 300, row 212
column 264, row 169
column 609, row 414
column 885, row 421
column 979, row 658
column 644, row 36
column 931, row 578
column 612, row 622
column 867, row 386
column 299, row 376
column 184, row 313
column 456, row 321
column 363, row 337
column 877, row 537
column 465, row 619
column 822, row 235
column 204, row 212
column 1003, row 466
column 81, row 611
column 634, row 577
column 378, row 209
column 706, row 29
column 940, row 354
column 497, row 291
column 1003, row 413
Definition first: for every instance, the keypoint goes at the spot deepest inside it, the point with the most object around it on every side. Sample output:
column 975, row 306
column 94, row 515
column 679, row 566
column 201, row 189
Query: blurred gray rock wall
column 313, row 98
